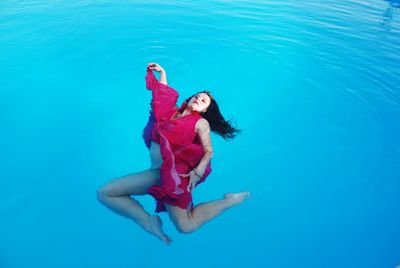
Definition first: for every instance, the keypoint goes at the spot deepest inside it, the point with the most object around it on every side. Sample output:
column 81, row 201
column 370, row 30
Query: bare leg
column 202, row 213
column 116, row 196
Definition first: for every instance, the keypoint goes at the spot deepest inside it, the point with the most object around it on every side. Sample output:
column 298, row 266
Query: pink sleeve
column 164, row 97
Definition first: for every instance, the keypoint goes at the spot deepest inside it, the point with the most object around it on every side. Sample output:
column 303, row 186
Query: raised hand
column 155, row 66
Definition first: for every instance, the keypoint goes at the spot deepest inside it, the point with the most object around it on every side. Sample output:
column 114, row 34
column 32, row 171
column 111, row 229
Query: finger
column 189, row 188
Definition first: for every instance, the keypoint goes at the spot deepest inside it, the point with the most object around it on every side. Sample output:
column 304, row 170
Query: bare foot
column 236, row 198
column 155, row 228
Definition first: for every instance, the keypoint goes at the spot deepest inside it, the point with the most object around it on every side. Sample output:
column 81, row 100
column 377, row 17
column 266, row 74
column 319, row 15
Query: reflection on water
column 393, row 3
column 389, row 12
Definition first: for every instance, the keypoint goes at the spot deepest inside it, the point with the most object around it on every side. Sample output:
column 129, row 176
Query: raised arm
column 164, row 97
column 163, row 75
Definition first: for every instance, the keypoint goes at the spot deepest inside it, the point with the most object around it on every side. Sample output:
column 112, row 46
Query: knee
column 185, row 227
column 102, row 193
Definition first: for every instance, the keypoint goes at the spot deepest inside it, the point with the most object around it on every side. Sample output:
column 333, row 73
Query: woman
column 180, row 150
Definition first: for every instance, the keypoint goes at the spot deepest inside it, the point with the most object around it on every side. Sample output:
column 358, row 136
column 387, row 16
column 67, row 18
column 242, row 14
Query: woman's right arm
column 158, row 68
column 164, row 98
column 163, row 77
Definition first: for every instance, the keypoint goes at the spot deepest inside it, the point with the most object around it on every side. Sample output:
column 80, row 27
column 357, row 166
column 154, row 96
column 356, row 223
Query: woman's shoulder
column 202, row 125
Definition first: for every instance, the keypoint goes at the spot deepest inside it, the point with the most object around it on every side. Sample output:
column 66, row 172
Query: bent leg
column 188, row 222
column 116, row 196
column 132, row 184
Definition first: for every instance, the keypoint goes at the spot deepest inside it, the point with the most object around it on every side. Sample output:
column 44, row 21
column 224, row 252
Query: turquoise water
column 313, row 85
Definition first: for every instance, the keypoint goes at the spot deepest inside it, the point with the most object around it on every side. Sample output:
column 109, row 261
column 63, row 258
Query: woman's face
column 199, row 102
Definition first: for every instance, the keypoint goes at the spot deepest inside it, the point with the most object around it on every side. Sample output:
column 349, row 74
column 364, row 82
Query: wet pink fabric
column 181, row 148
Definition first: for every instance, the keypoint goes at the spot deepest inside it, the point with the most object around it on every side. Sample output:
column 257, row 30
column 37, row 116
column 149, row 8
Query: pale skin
column 117, row 194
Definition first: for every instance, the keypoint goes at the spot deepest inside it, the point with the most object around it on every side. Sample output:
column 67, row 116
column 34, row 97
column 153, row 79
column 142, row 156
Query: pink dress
column 181, row 148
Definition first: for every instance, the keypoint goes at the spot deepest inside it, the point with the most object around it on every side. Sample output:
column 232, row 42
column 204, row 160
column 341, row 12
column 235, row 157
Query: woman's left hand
column 155, row 66
column 193, row 180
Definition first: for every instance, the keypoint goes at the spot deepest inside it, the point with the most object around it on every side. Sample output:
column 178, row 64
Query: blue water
column 313, row 85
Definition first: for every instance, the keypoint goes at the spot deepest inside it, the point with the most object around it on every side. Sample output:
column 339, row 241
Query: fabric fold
column 181, row 149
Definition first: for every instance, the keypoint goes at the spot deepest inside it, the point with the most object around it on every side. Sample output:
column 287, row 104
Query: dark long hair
column 217, row 122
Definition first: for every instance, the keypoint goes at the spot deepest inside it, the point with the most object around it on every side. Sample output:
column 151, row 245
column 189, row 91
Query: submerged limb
column 189, row 222
column 116, row 196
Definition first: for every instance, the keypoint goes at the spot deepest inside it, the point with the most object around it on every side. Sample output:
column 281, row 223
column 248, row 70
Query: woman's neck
column 186, row 112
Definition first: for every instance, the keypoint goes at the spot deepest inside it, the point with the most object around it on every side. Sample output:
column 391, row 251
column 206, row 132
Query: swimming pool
column 313, row 86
